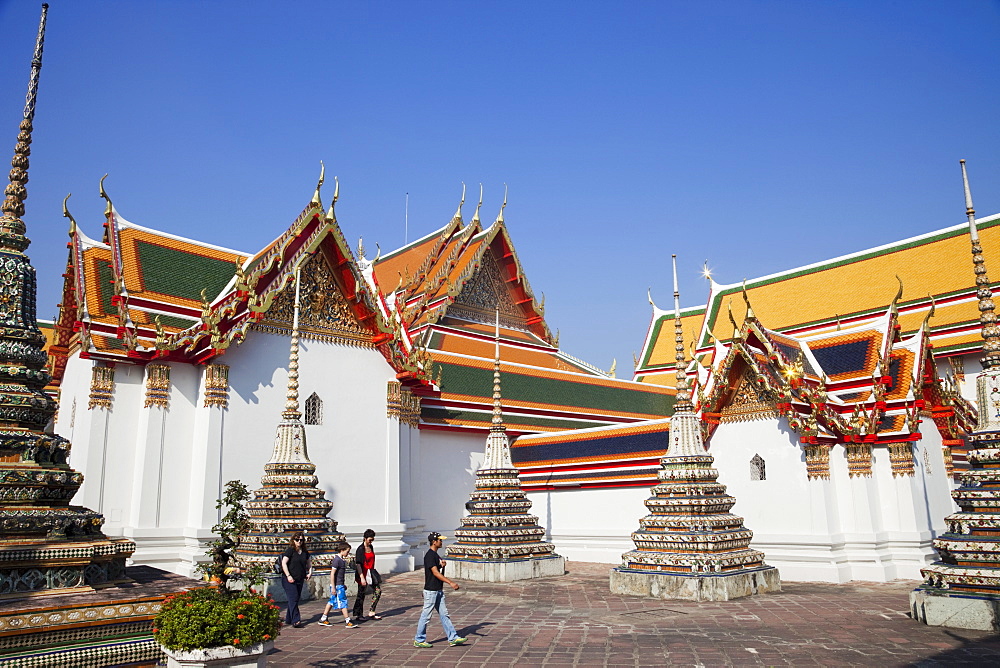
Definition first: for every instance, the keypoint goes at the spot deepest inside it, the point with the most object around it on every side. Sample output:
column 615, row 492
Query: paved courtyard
column 574, row 620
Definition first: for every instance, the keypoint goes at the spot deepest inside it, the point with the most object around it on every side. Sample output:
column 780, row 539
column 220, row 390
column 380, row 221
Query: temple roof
column 848, row 289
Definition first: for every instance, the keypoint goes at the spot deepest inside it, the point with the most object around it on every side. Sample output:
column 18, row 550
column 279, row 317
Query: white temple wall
column 447, row 475
column 594, row 524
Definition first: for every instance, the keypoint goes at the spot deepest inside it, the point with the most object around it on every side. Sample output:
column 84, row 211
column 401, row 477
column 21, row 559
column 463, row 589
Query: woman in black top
column 365, row 574
column 297, row 568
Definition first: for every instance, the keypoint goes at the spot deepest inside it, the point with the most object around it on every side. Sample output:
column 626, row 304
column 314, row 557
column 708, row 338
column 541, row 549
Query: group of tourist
column 296, row 565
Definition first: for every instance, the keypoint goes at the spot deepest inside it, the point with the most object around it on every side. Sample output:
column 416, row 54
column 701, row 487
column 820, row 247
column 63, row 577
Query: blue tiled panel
column 844, row 358
column 596, row 447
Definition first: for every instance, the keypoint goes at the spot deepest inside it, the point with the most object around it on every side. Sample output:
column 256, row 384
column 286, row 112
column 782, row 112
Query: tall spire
column 291, row 411
column 961, row 588
column 497, row 425
column 683, row 400
column 987, row 316
column 12, row 228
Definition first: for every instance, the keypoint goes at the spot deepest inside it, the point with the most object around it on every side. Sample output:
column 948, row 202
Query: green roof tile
column 173, row 272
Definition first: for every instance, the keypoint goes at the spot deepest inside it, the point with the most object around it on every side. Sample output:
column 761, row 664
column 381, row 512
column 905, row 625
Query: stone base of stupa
column 507, row 570
column 937, row 607
column 316, row 587
column 697, row 586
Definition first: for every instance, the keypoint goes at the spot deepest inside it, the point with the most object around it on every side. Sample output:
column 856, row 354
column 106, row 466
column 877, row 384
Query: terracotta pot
column 228, row 656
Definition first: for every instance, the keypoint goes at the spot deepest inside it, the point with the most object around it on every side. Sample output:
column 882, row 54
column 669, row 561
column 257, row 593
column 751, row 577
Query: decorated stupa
column 690, row 546
column 498, row 540
column 962, row 588
column 47, row 545
column 290, row 499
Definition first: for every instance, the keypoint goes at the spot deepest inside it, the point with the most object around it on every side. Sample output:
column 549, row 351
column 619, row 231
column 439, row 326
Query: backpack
column 277, row 565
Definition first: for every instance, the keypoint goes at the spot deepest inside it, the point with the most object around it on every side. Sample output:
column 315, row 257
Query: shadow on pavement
column 973, row 652
column 473, row 629
column 352, row 659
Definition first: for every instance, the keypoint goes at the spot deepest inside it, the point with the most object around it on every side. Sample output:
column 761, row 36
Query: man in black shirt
column 434, row 581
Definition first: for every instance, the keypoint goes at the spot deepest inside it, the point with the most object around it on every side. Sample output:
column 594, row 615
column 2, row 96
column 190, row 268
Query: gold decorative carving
column 325, row 313
column 748, row 403
column 486, row 292
column 859, row 459
column 157, row 385
column 102, row 387
column 901, row 459
column 402, row 404
column 817, row 461
column 217, row 385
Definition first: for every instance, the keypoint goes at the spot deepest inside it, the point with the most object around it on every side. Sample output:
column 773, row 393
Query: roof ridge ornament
column 987, row 315
column 475, row 218
column 746, row 299
column 67, row 214
column 331, row 217
column 316, row 200
column 930, row 314
column 502, row 206
column 104, row 195
column 461, row 203
column 895, row 300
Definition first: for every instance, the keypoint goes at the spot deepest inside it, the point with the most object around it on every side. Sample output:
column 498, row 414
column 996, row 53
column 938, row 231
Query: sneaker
column 325, row 622
column 351, row 625
column 421, row 644
column 458, row 641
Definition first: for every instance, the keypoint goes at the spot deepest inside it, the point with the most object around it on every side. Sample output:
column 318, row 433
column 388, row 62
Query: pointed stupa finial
column 331, row 217
column 67, row 214
column 291, row 411
column 316, row 201
column 12, row 228
column 987, row 314
column 461, row 203
column 502, row 206
column 497, row 424
column 475, row 218
column 683, row 398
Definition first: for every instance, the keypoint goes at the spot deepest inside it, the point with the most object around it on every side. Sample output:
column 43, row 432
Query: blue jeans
column 293, row 592
column 434, row 600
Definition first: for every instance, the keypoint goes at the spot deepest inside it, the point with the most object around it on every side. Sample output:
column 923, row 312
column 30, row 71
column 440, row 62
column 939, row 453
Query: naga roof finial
column 316, row 201
column 67, row 214
column 461, row 203
column 331, row 217
column 104, row 195
column 475, row 218
column 930, row 314
column 12, row 228
column 746, row 299
column 987, row 314
column 899, row 295
column 502, row 206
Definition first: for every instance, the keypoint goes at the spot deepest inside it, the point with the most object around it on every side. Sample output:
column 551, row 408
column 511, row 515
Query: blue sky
column 758, row 135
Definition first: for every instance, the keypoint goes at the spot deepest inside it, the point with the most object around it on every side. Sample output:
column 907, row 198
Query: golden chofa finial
column 458, row 211
column 331, row 217
column 502, row 206
column 100, row 187
column 899, row 295
column 475, row 218
column 746, row 299
column 316, row 200
column 67, row 214
column 361, row 248
column 930, row 314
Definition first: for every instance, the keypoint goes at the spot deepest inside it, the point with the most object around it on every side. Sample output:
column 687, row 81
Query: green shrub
column 213, row 617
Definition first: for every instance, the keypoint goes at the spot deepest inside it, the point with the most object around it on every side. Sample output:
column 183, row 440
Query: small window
column 314, row 409
column 757, row 468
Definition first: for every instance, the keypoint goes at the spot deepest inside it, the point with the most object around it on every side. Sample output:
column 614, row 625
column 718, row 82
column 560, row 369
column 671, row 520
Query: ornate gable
column 483, row 292
column 748, row 402
column 325, row 313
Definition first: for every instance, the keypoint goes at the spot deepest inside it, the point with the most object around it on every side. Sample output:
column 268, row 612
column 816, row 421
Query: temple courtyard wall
column 155, row 473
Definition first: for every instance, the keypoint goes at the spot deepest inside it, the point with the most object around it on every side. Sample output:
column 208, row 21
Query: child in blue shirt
column 338, row 590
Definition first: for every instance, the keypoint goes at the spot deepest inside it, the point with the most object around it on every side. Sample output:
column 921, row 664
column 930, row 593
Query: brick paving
column 574, row 620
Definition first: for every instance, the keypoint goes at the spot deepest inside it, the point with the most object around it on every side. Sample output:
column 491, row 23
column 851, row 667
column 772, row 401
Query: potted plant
column 225, row 623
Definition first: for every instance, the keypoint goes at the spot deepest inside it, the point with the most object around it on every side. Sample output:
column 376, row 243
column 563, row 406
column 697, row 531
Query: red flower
column 236, row 641
column 240, row 616
column 267, row 637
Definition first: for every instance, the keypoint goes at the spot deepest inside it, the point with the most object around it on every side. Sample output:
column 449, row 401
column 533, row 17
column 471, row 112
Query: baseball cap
column 434, row 535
